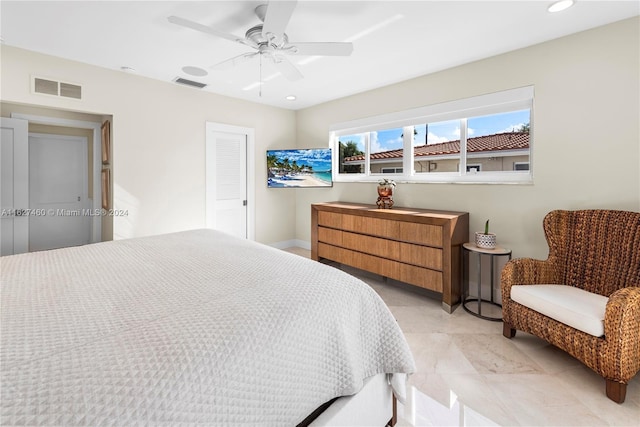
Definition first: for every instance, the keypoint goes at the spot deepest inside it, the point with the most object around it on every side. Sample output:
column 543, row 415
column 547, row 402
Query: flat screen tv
column 299, row 168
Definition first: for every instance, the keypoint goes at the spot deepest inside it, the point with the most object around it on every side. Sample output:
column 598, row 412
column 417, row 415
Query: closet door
column 58, row 185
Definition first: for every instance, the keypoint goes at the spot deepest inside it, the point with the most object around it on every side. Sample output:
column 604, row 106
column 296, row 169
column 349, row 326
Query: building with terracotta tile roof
column 498, row 152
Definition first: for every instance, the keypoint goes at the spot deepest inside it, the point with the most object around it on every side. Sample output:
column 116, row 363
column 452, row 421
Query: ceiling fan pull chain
column 260, row 92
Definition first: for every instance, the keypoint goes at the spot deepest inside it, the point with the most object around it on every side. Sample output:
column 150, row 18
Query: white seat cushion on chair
column 572, row 306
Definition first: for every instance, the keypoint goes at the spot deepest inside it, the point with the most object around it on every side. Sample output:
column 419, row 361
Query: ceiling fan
column 270, row 41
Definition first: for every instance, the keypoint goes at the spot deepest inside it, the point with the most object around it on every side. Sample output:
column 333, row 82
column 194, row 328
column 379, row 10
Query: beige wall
column 158, row 134
column 586, row 111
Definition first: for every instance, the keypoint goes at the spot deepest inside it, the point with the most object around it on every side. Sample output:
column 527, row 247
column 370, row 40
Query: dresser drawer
column 424, row 234
column 371, row 226
column 377, row 265
column 335, row 253
column 330, row 235
column 423, row 277
column 423, row 256
column 371, row 245
column 330, row 219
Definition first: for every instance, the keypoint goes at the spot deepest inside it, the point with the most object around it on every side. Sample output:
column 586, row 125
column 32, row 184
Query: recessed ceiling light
column 560, row 5
column 194, row 71
column 291, row 98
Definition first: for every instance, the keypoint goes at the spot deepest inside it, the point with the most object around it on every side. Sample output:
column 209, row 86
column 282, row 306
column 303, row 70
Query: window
column 498, row 141
column 437, row 143
column 386, row 150
column 481, row 139
column 351, row 149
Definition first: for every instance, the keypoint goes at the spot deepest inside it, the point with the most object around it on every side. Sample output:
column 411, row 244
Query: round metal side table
column 492, row 253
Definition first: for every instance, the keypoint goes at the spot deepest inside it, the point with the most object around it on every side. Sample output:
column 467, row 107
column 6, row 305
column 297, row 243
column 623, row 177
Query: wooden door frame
column 250, row 167
column 96, row 205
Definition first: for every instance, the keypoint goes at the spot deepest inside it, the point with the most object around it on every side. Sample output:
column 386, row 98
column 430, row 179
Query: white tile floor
column 469, row 374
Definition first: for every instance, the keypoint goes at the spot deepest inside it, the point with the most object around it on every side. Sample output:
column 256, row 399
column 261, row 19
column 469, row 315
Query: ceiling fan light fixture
column 560, row 5
column 269, row 39
column 261, row 11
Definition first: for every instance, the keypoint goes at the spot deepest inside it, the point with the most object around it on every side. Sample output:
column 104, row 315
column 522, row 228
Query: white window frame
column 493, row 103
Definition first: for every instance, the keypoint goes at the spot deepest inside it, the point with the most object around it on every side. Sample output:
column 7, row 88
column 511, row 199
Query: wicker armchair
column 598, row 251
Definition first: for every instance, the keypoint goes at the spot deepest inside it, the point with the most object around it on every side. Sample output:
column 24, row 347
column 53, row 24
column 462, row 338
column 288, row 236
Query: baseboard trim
column 291, row 243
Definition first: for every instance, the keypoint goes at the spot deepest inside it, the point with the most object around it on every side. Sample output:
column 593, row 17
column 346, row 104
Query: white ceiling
column 393, row 40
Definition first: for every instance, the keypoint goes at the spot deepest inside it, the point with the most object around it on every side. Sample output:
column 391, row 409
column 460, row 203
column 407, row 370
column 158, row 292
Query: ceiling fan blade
column 235, row 61
column 286, row 68
column 205, row 29
column 320, row 48
column 277, row 17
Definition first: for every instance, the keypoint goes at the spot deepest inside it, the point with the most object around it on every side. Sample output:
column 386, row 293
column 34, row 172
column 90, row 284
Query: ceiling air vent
column 55, row 88
column 189, row 82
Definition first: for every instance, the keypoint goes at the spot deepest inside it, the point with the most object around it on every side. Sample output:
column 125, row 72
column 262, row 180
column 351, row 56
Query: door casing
column 14, row 157
column 96, row 221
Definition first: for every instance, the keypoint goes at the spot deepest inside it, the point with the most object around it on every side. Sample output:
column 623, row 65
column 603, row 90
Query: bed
column 195, row 327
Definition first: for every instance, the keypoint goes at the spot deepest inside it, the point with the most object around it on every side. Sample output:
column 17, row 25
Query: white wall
column 159, row 142
column 586, row 148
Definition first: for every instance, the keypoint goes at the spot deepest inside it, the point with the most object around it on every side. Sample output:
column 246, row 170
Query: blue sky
column 391, row 139
column 319, row 159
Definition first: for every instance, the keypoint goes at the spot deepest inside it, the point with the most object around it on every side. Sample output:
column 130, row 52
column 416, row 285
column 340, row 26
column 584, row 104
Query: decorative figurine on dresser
column 385, row 193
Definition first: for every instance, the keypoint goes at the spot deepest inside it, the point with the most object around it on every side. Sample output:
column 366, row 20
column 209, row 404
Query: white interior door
column 14, row 186
column 58, row 187
column 236, row 144
column 227, row 182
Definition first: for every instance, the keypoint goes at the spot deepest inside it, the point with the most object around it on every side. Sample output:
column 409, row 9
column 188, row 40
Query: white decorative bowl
column 485, row 241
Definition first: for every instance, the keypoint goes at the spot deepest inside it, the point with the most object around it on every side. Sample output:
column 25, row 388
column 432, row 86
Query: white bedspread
column 190, row 327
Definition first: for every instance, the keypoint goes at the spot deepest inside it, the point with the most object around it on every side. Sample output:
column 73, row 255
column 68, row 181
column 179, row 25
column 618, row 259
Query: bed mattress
column 189, row 327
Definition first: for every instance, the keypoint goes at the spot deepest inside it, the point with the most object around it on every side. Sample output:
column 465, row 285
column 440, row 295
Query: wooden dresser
column 416, row 246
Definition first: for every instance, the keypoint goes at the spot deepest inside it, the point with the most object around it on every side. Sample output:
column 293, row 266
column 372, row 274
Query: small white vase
column 485, row 241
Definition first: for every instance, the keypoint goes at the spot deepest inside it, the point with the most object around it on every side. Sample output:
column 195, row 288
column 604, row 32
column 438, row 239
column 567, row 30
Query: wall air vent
column 189, row 82
column 70, row 91
column 48, row 87
column 55, row 88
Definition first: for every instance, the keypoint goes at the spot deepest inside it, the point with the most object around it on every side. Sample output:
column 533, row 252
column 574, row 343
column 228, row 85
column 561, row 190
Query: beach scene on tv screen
column 309, row 167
